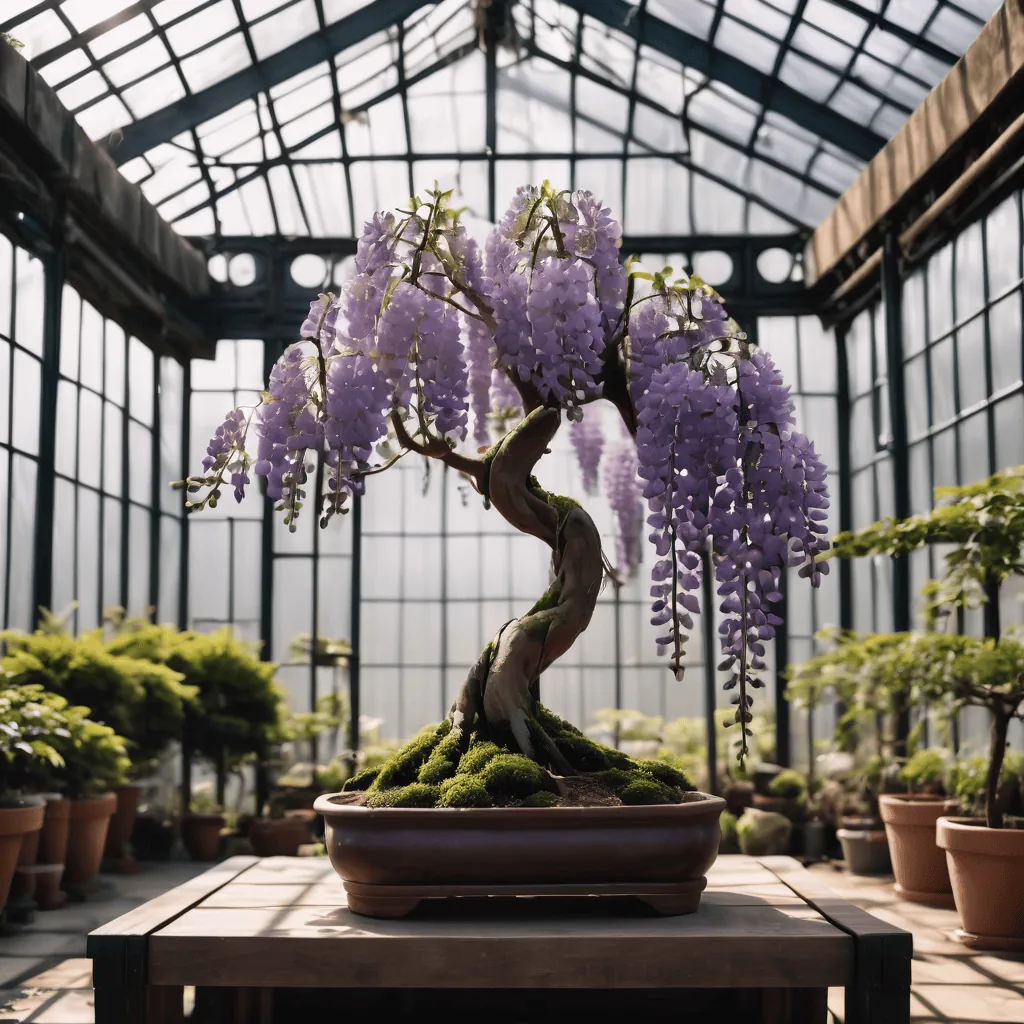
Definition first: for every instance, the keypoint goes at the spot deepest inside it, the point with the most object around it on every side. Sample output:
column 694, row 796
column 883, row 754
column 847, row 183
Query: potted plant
column 29, row 717
column 92, row 762
column 918, row 865
column 151, row 725
column 392, row 366
column 865, row 673
column 143, row 702
column 983, row 526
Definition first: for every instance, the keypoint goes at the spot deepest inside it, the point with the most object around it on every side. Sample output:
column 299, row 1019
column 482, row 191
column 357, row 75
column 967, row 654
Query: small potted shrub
column 28, row 719
column 787, row 795
column 918, row 865
column 91, row 763
column 95, row 764
column 233, row 713
column 982, row 525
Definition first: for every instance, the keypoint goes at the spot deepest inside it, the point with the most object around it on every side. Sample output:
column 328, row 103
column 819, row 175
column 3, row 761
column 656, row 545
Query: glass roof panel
column 352, row 116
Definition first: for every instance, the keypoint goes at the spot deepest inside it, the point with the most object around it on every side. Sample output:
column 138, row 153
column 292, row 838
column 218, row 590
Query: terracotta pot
column 792, row 809
column 280, row 837
column 53, row 851
column 201, row 835
column 986, row 868
column 494, row 847
column 918, row 865
column 123, row 821
column 866, row 851
column 15, row 824
column 23, row 885
column 89, row 821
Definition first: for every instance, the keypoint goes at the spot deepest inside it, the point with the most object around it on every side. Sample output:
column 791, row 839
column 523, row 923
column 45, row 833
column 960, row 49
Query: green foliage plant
column 789, row 784
column 31, row 720
column 924, row 772
column 142, row 701
column 47, row 744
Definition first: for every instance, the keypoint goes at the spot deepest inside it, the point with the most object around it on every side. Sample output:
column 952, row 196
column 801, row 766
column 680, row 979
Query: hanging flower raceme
column 588, row 441
column 625, row 498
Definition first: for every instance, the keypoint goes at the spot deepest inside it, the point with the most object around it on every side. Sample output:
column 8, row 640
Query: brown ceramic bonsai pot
column 918, row 865
column 121, row 825
column 201, row 835
column 281, row 837
column 986, row 868
column 87, row 833
column 391, row 858
column 15, row 824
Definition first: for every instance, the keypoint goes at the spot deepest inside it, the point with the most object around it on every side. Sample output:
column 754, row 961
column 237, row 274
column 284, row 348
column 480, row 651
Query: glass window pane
column 170, row 570
column 22, row 539
column 90, row 550
column 70, row 331
column 114, row 369
column 940, row 293
column 140, row 469
column 139, row 528
column 1003, row 242
column 31, row 301
column 140, row 381
column 67, row 428
column 113, row 449
column 6, row 287
column 63, row 546
column 943, row 405
column 90, row 368
column 915, row 382
column 90, row 451
column 1006, row 339
column 25, row 417
column 113, row 532
column 971, row 370
column 5, row 390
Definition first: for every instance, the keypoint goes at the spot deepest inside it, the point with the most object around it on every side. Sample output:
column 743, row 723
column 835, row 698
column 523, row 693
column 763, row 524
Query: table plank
column 880, row 991
column 511, row 947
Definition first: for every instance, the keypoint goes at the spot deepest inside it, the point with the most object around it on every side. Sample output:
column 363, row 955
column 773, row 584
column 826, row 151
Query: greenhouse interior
column 418, row 413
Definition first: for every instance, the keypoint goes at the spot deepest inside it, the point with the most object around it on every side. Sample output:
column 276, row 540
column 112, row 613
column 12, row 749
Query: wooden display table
column 272, row 940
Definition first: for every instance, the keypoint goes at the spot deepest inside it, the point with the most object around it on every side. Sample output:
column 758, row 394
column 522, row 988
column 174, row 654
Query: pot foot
column 382, row 906
column 929, row 899
column 1001, row 943
column 673, row 906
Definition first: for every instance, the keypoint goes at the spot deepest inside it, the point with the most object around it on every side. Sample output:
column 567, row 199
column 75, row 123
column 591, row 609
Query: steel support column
column 892, row 293
column 42, row 582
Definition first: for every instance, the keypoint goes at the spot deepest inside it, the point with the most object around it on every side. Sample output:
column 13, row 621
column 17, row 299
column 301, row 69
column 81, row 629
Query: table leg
column 119, row 1003
column 868, row 1005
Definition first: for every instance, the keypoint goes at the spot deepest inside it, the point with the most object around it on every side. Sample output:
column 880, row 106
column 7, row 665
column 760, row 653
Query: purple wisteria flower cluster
column 435, row 341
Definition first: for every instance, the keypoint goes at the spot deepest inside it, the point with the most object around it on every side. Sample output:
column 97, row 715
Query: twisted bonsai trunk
column 500, row 693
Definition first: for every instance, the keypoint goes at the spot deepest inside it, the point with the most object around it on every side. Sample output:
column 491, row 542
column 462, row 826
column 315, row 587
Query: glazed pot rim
column 707, row 806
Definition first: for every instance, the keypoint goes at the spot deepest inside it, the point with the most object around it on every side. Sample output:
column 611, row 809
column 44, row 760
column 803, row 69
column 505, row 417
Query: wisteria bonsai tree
column 542, row 322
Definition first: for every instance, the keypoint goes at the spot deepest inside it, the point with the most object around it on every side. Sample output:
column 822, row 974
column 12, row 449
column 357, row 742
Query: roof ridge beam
column 693, row 52
column 191, row 111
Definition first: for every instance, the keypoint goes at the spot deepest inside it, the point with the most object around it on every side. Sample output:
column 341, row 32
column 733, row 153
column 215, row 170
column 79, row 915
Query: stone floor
column 44, row 978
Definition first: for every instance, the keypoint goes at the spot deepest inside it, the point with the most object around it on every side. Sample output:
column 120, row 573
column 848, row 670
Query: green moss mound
column 432, row 771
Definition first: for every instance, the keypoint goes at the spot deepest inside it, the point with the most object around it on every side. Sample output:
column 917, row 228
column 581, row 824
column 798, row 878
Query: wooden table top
column 283, row 922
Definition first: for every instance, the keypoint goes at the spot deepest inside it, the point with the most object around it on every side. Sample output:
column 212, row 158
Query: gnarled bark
column 500, row 687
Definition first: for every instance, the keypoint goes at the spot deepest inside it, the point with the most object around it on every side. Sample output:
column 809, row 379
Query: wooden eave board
column 992, row 65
